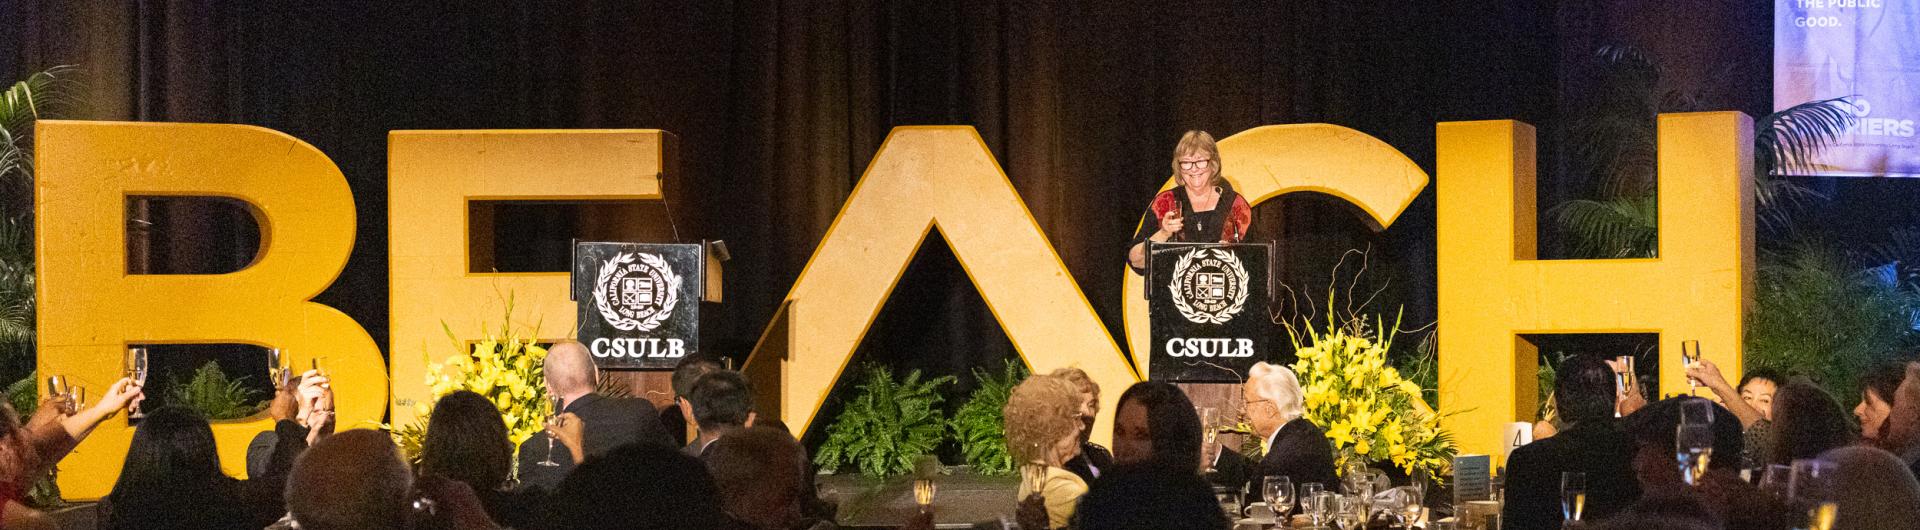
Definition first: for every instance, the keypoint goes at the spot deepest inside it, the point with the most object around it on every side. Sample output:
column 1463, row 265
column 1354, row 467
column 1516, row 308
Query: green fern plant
column 213, row 395
column 890, row 424
column 978, row 424
column 1819, row 315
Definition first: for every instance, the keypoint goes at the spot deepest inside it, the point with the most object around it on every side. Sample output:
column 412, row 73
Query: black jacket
column 610, row 423
column 1093, row 460
column 1598, row 448
column 1300, row 452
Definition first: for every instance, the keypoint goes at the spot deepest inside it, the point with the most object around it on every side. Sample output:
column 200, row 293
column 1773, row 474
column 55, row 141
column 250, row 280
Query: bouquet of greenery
column 1371, row 414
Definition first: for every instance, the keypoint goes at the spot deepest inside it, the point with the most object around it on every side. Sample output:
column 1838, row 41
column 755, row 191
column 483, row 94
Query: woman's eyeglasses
column 1193, row 164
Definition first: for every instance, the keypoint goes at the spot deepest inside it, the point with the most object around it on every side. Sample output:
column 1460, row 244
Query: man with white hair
column 1295, row 448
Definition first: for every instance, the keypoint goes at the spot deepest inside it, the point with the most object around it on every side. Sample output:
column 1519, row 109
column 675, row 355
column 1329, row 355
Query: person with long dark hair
column 467, row 442
column 1877, row 388
column 172, row 478
column 1154, row 424
column 1806, row 422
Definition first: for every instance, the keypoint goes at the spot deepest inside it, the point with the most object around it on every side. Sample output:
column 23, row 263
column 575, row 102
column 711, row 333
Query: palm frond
column 1624, row 227
column 27, row 99
column 1788, row 140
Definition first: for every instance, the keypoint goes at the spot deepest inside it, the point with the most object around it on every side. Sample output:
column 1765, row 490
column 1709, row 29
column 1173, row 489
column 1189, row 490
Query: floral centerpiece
column 507, row 367
column 1371, row 413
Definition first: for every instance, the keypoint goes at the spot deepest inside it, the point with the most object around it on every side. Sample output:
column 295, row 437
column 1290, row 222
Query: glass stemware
column 1278, row 492
column 553, row 418
column 1693, row 451
column 1811, row 487
column 1573, row 497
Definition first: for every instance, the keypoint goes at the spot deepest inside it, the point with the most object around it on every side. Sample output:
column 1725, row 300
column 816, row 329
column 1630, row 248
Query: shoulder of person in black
column 1599, row 448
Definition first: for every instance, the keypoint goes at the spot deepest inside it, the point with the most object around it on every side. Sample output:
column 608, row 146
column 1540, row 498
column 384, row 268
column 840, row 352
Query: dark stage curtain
column 780, row 105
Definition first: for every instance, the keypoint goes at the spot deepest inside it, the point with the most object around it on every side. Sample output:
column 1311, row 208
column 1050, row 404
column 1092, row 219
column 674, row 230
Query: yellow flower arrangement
column 1370, row 412
column 507, row 368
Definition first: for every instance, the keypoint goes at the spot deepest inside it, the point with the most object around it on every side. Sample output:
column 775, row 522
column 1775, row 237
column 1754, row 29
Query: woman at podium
column 1202, row 209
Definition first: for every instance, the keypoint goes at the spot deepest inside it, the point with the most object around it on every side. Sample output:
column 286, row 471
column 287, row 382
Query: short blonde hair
column 1079, row 379
column 1041, row 411
column 1278, row 384
column 1198, row 142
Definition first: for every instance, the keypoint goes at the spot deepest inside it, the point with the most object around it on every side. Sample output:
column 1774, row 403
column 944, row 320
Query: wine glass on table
column 1774, row 481
column 1277, row 490
column 134, row 366
column 1573, row 498
column 1208, row 434
column 553, row 418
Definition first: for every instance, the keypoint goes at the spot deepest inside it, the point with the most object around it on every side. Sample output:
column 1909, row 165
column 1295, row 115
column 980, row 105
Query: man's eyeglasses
column 1192, row 164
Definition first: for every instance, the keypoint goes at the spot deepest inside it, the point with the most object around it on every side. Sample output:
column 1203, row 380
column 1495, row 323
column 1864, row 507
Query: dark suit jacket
column 1093, row 460
column 1300, row 452
column 1598, row 448
column 610, row 423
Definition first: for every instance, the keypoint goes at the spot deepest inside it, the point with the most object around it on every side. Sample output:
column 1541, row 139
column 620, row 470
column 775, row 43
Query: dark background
column 779, row 105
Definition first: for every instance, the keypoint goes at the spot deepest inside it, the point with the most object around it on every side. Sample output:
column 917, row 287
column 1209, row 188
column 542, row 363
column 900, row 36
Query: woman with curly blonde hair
column 1043, row 432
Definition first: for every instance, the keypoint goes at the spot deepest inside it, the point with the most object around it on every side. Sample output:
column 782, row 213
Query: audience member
column 1295, row 447
column 1155, row 424
column 1150, row 497
column 718, row 403
column 1674, row 511
column 1874, row 490
column 1807, row 422
column 1903, row 421
column 1593, row 443
column 1752, row 402
column 609, row 422
column 1092, row 457
column 172, row 478
column 676, row 419
column 466, row 442
column 1042, row 418
column 1877, row 388
column 639, row 487
column 1730, row 500
column 28, row 451
column 356, row 480
column 285, row 406
column 761, row 473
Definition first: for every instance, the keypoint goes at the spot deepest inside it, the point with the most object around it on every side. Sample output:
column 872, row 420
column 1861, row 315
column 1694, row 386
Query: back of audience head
column 1155, row 424
column 1042, row 418
column 689, row 370
column 1653, row 429
column 1806, row 422
column 1759, row 388
column 1671, row 510
column 349, row 481
column 720, row 399
column 1584, row 389
column 467, row 441
column 761, row 474
column 569, row 369
column 172, row 448
column 638, row 487
column 1873, row 488
column 1876, row 399
column 1147, row 497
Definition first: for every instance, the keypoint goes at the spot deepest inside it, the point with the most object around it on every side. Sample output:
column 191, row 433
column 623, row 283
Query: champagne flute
column 1573, row 498
column 78, row 394
column 1278, row 492
column 318, row 366
column 1208, row 416
column 553, row 418
column 134, row 366
column 1625, row 382
column 1811, row 487
column 1693, row 450
column 61, row 395
column 276, row 370
column 1689, row 354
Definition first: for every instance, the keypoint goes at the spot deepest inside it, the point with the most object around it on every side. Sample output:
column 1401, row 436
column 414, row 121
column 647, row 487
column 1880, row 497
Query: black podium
column 1207, row 308
column 639, row 303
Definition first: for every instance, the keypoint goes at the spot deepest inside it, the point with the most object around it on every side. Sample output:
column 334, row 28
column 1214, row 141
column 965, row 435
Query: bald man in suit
column 609, row 422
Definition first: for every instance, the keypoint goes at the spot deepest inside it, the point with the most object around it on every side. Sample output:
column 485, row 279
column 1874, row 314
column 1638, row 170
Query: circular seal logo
column 1209, row 286
column 636, row 291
